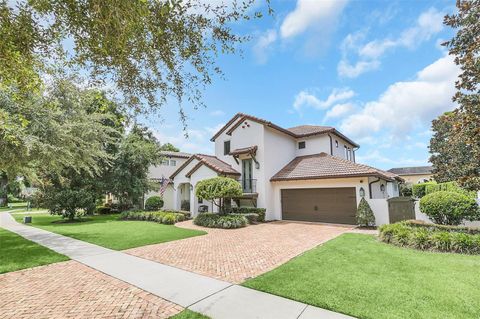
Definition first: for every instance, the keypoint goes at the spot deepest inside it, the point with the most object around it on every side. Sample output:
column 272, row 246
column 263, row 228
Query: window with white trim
column 226, row 147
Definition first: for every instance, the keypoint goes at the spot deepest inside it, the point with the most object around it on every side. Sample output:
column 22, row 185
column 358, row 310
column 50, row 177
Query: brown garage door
column 327, row 205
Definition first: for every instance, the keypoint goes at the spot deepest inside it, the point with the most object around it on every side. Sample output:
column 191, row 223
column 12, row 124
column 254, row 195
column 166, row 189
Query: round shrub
column 220, row 221
column 168, row 219
column 449, row 208
column 154, row 203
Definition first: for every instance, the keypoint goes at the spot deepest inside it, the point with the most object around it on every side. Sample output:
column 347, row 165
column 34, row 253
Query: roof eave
column 286, row 179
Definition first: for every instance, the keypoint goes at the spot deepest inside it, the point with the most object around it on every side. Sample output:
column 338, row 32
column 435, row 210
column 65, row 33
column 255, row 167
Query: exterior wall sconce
column 382, row 187
column 362, row 192
column 191, row 187
column 257, row 165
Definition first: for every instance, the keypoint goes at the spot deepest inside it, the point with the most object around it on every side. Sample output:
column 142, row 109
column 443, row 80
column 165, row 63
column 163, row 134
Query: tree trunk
column 3, row 189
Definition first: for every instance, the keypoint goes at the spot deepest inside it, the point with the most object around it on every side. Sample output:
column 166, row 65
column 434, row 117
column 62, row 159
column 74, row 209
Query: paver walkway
column 235, row 255
column 213, row 297
column 72, row 290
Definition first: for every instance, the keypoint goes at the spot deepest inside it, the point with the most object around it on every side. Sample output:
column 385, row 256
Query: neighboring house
column 303, row 173
column 414, row 175
column 161, row 174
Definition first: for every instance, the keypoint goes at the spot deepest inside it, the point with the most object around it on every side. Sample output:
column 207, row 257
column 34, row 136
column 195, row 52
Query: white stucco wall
column 313, row 145
column 379, row 207
column 165, row 171
column 200, row 174
column 180, row 179
column 245, row 137
column 340, row 150
column 279, row 151
column 167, row 196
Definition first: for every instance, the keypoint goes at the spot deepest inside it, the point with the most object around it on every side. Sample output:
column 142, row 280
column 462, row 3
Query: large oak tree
column 149, row 49
column 456, row 142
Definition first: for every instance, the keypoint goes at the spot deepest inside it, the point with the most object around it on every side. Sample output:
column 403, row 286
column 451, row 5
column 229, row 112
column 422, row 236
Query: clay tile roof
column 417, row 170
column 244, row 150
column 210, row 161
column 320, row 166
column 217, row 165
column 175, row 154
column 306, row 130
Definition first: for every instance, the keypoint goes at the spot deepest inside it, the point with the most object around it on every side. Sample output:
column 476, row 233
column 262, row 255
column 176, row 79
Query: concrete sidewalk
column 212, row 297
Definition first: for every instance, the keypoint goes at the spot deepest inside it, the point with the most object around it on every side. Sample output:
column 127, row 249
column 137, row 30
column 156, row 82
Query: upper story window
column 173, row 163
column 349, row 154
column 226, row 147
column 301, row 145
column 345, row 149
column 336, row 143
column 165, row 162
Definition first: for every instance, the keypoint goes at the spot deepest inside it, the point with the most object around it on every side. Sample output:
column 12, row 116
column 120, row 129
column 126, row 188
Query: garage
column 326, row 205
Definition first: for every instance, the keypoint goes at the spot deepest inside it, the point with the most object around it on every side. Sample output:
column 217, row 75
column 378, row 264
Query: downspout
column 331, row 144
column 370, row 186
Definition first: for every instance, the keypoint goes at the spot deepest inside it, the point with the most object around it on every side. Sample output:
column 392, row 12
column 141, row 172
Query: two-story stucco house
column 171, row 161
column 305, row 173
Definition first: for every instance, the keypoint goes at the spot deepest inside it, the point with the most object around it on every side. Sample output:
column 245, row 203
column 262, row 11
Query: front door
column 247, row 175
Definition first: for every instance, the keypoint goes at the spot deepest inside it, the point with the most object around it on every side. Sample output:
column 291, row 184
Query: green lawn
column 108, row 231
column 357, row 275
column 14, row 206
column 18, row 253
column 188, row 314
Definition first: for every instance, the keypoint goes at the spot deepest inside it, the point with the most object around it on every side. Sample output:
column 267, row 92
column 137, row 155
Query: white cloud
column 307, row 99
column 339, row 110
column 405, row 105
column 376, row 157
column 309, row 13
column 198, row 140
column 345, row 69
column 217, row 113
column 427, row 25
column 264, row 42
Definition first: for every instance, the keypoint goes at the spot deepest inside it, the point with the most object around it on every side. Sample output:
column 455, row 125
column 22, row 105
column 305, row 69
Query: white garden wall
column 379, row 207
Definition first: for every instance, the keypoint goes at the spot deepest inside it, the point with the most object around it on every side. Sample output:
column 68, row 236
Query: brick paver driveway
column 237, row 254
column 72, row 290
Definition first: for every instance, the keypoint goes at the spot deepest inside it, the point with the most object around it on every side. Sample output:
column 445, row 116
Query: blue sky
column 373, row 69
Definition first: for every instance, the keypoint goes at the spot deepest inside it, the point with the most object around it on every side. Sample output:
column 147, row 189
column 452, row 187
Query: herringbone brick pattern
column 72, row 290
column 237, row 254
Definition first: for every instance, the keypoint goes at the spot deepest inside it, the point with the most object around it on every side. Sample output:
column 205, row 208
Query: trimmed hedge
column 158, row 217
column 449, row 228
column 430, row 238
column 153, row 203
column 251, row 217
column 249, row 210
column 212, row 220
column 419, row 190
column 449, row 208
column 187, row 214
column 448, row 187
